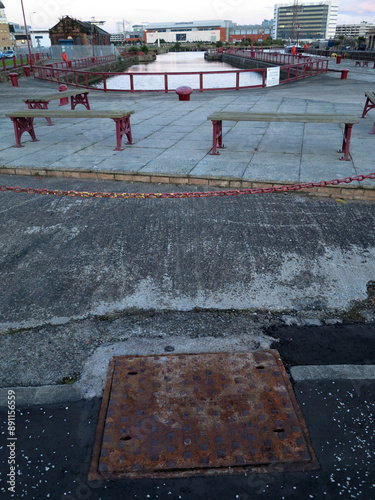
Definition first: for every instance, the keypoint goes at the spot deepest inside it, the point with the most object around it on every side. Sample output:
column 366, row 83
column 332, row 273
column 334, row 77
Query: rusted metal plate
column 179, row 415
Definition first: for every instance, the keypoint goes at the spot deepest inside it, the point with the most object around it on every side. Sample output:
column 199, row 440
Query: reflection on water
column 180, row 62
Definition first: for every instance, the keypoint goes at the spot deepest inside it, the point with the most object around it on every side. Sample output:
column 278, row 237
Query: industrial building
column 194, row 31
column 205, row 31
column 305, row 21
column 354, row 30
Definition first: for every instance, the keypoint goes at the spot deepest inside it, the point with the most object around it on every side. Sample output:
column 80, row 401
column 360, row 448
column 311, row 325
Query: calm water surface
column 180, row 62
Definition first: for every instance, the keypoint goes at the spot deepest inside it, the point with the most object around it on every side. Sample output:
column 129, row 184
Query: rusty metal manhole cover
column 178, row 415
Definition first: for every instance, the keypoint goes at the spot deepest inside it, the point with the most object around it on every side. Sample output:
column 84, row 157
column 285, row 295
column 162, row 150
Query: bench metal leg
column 22, row 125
column 122, row 128
column 79, row 99
column 217, row 140
column 346, row 142
column 40, row 105
column 368, row 105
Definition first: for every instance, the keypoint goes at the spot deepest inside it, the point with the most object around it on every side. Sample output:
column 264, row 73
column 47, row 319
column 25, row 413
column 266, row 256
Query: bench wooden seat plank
column 369, row 104
column 23, row 121
column 218, row 117
column 76, row 97
column 56, row 95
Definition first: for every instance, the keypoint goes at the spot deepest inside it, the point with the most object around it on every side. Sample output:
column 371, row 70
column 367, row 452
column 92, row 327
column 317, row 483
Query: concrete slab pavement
column 165, row 129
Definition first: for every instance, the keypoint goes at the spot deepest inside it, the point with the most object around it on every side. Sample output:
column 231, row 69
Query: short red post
column 184, row 93
column 4, row 65
column 63, row 100
column 344, row 74
column 27, row 70
column 338, row 59
column 13, row 78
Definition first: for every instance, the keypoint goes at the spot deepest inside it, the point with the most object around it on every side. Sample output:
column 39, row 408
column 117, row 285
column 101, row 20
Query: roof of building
column 85, row 24
column 188, row 24
column 2, row 5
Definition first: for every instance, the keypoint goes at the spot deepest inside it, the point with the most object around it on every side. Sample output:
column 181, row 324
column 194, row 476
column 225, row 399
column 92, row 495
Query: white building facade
column 40, row 38
column 195, row 31
column 354, row 30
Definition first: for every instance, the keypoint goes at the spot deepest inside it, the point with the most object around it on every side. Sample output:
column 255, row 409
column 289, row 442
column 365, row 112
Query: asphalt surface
column 54, row 446
column 84, row 279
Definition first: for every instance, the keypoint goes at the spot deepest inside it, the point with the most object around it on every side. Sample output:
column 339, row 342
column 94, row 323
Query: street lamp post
column 27, row 35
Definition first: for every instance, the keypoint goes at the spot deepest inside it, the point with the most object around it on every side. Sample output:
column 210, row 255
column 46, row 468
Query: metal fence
column 292, row 68
column 23, row 60
column 84, row 51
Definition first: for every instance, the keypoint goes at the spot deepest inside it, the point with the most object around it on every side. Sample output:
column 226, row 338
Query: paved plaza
column 173, row 139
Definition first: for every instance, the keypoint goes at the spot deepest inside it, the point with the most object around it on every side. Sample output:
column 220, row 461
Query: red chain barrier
column 200, row 194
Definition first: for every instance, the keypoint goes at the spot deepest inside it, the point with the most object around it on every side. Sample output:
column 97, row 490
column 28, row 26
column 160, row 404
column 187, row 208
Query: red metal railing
column 291, row 68
column 23, row 60
column 82, row 63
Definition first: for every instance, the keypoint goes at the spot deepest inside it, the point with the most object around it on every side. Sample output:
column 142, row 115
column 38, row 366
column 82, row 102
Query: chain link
column 203, row 194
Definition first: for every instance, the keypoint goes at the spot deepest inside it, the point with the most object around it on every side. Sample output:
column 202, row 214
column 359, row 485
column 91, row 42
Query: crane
column 294, row 19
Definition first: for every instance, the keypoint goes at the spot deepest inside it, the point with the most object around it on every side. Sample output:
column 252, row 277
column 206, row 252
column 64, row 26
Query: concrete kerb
column 345, row 191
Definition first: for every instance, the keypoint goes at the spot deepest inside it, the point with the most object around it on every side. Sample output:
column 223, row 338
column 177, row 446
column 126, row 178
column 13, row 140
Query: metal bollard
column 14, row 79
column 184, row 93
column 63, row 100
column 344, row 74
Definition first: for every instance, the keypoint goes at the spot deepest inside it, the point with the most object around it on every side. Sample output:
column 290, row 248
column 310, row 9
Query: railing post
column 104, row 82
column 21, row 59
column 166, row 83
column 4, row 65
column 131, row 83
column 200, row 82
column 87, row 80
column 237, row 80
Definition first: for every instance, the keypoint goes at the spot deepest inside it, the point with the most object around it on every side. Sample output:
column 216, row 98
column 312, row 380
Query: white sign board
column 273, row 76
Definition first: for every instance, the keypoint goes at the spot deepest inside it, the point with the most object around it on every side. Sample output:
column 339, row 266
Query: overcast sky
column 46, row 13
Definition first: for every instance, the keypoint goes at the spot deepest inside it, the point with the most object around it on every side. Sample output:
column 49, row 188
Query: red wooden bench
column 218, row 117
column 76, row 97
column 23, row 121
column 369, row 104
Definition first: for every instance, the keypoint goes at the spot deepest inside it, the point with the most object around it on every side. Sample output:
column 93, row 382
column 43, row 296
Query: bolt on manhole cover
column 178, row 415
